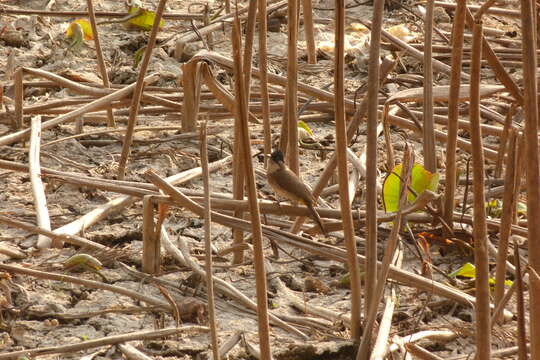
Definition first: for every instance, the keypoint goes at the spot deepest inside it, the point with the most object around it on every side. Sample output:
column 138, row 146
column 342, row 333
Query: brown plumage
column 287, row 184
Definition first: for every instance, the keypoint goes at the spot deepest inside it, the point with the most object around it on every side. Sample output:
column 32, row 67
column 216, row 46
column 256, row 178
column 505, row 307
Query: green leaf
column 421, row 180
column 303, row 125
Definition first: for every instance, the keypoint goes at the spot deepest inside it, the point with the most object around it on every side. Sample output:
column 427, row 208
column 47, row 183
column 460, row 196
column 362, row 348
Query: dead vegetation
column 133, row 175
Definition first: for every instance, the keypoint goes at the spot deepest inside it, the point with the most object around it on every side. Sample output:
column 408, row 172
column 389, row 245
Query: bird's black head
column 277, row 156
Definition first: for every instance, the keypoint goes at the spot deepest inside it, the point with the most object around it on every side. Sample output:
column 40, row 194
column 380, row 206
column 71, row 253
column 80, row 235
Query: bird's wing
column 292, row 184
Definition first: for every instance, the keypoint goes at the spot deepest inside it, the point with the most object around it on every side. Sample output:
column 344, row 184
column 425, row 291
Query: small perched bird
column 287, row 184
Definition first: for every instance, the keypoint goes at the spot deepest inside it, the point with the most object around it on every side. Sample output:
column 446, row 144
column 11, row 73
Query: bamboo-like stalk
column 481, row 259
column 430, row 156
column 530, row 107
column 151, row 245
column 380, row 347
column 38, row 190
column 258, row 253
column 137, row 92
column 509, row 202
column 309, row 31
column 292, row 86
column 371, row 162
column 19, row 97
column 99, row 55
column 364, row 348
column 343, row 172
column 208, row 243
column 521, row 333
column 248, row 47
column 263, row 78
column 70, row 239
column 206, row 22
column 453, row 111
column 503, row 142
column 421, row 353
column 520, row 169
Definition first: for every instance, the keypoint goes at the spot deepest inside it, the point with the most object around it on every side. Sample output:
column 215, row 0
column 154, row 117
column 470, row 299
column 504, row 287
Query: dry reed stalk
column 131, row 352
column 208, row 243
column 440, row 136
column 258, row 252
column 500, row 72
column 238, row 161
column 371, row 164
column 421, row 353
column 453, row 111
column 111, row 14
column 463, row 124
column 151, row 258
column 248, row 47
column 137, row 92
column 99, row 55
column 491, row 10
column 104, row 101
column 385, row 325
column 509, row 203
column 70, row 239
column 137, row 295
column 38, row 189
column 383, row 273
column 191, row 81
column 263, row 77
column 521, row 332
column 309, row 31
column 481, row 258
column 497, row 312
column 520, row 169
column 19, row 98
column 292, row 86
column 530, row 107
column 390, row 156
column 104, row 341
column 238, row 181
column 503, row 141
column 206, row 22
column 343, row 172
column 430, row 156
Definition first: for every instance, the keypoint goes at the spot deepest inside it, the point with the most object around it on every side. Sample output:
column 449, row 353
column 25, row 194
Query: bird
column 287, row 184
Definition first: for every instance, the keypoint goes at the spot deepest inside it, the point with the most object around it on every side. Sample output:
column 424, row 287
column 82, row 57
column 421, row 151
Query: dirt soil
column 37, row 312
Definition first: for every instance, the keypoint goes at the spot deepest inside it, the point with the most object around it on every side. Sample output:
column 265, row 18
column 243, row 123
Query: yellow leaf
column 145, row 20
column 85, row 26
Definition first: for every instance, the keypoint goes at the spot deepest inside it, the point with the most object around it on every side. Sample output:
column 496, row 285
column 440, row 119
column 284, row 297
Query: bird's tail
column 317, row 218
